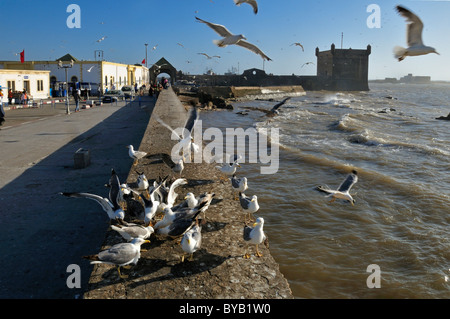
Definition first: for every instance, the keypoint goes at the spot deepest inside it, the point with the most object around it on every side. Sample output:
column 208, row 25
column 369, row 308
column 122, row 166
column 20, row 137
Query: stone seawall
column 218, row 269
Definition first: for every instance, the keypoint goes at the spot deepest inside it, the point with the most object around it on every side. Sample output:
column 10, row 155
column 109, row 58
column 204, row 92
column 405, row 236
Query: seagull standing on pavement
column 255, row 235
column 136, row 155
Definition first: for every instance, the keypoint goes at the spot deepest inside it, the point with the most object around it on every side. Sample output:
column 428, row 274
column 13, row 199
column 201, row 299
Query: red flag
column 143, row 61
column 22, row 56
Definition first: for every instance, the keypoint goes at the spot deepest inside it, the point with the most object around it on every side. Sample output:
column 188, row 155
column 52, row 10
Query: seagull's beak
column 189, row 241
column 146, row 241
column 255, row 224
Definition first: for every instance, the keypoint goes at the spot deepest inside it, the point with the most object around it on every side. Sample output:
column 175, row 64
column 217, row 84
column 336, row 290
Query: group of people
column 23, row 100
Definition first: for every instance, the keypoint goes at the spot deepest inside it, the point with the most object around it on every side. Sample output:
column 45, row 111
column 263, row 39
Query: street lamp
column 146, row 45
column 66, row 66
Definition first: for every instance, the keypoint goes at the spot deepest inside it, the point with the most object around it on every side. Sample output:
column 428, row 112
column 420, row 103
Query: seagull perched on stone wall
column 229, row 39
column 135, row 154
column 413, row 37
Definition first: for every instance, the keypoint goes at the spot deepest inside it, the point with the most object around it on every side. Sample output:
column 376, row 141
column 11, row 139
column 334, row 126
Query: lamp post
column 146, row 45
column 66, row 66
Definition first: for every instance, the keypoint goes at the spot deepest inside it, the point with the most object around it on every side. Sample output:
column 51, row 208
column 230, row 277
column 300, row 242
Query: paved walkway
column 41, row 232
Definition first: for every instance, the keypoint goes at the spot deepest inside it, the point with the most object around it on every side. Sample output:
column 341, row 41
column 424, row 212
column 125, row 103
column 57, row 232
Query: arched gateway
column 162, row 66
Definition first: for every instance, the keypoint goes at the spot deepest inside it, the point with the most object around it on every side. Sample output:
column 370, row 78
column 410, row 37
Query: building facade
column 101, row 75
column 35, row 82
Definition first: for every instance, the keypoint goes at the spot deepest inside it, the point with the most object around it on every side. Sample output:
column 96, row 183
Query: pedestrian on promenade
column 23, row 98
column 77, row 98
column 2, row 112
column 10, row 96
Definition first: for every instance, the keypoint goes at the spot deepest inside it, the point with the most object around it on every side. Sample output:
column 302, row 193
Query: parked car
column 109, row 99
column 115, row 93
column 128, row 91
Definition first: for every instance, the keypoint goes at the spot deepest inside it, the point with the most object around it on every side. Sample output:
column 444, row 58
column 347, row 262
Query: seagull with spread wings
column 230, row 39
column 186, row 140
column 343, row 190
column 413, row 37
column 253, row 3
column 299, row 45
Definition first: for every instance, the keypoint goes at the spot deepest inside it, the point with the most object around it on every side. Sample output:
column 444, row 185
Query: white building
column 35, row 82
column 103, row 74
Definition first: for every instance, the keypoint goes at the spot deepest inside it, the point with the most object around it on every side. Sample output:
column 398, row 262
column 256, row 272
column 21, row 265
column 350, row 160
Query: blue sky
column 39, row 28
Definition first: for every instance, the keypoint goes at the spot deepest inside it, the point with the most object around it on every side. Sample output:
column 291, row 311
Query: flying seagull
column 343, row 190
column 273, row 111
column 101, row 39
column 253, row 3
column 186, row 140
column 90, row 69
column 299, row 45
column 229, row 39
column 122, row 254
column 413, row 37
column 307, row 63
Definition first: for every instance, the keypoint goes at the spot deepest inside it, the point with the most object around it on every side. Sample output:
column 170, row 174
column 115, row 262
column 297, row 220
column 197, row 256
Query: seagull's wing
column 244, row 200
column 192, row 119
column 235, row 181
column 253, row 3
column 218, row 28
column 167, row 159
column 206, row 55
column 253, row 48
column 276, row 106
column 171, row 197
column 349, row 181
column 415, row 26
column 114, row 189
column 166, row 125
column 104, row 202
column 118, row 254
column 247, row 231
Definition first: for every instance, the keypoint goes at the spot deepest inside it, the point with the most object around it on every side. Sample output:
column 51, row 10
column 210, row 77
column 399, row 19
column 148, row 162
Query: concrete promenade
column 41, row 232
column 218, row 269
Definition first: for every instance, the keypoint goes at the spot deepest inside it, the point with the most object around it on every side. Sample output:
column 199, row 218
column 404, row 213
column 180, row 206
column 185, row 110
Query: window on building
column 40, row 85
column 26, row 85
column 12, row 85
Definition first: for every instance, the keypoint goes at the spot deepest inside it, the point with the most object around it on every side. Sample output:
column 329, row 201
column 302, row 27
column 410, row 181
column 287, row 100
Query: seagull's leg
column 246, row 255
column 182, row 258
column 191, row 258
column 120, row 275
column 258, row 253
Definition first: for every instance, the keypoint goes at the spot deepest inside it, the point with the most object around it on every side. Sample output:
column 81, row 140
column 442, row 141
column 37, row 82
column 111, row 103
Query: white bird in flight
column 253, row 3
column 413, row 36
column 229, row 39
column 343, row 190
column 299, row 45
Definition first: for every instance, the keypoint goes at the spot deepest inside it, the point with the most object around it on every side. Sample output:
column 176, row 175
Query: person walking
column 10, row 96
column 77, row 98
column 2, row 112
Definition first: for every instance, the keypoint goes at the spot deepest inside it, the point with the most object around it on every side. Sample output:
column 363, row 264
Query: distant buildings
column 36, row 83
column 410, row 79
column 100, row 75
column 337, row 70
